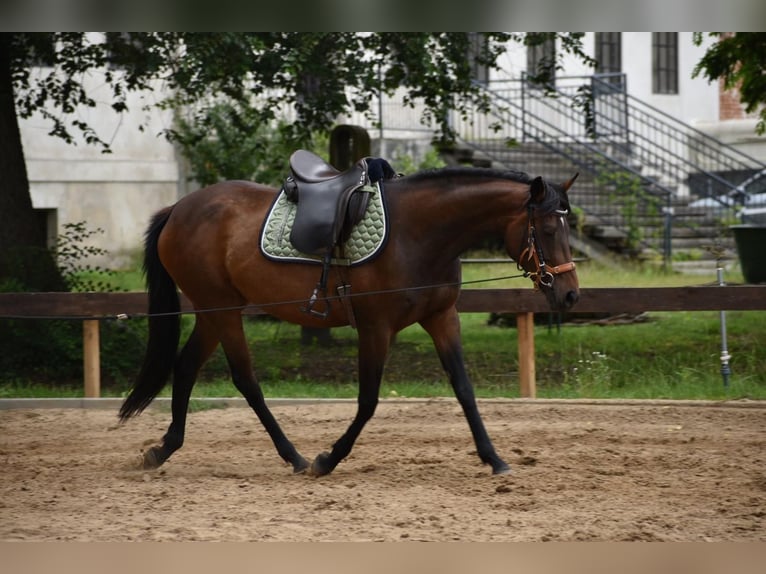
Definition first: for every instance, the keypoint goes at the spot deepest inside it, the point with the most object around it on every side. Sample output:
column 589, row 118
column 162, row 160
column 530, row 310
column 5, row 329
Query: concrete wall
column 117, row 192
column 739, row 133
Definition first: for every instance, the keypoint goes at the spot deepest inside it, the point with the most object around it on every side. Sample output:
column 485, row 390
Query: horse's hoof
column 321, row 466
column 152, row 459
column 502, row 470
column 300, row 466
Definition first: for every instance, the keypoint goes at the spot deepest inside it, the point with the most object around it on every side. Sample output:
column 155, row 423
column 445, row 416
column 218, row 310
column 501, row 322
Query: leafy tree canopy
column 254, row 76
column 739, row 59
column 321, row 74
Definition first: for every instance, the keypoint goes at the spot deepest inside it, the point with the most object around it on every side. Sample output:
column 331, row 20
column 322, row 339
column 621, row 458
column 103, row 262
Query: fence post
column 525, row 324
column 91, row 359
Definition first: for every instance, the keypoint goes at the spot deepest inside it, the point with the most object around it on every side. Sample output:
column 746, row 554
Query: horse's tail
column 164, row 324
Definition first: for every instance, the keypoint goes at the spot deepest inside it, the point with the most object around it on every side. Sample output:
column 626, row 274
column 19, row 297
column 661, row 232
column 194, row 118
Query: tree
column 319, row 75
column 739, row 59
column 24, row 261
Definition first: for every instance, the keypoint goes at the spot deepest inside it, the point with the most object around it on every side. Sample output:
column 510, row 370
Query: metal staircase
column 640, row 168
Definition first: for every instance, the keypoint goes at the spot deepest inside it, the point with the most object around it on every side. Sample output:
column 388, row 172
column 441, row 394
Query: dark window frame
column 608, row 51
column 479, row 71
column 665, row 63
column 545, row 50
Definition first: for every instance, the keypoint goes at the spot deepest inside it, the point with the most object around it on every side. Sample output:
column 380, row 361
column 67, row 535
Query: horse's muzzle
column 570, row 299
column 562, row 303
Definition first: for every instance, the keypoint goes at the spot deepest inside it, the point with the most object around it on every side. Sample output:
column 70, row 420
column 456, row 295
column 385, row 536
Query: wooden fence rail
column 91, row 308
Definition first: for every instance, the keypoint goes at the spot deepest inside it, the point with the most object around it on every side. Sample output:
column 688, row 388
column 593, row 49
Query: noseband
column 542, row 275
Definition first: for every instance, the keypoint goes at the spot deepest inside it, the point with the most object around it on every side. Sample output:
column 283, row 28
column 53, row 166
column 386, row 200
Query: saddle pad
column 363, row 243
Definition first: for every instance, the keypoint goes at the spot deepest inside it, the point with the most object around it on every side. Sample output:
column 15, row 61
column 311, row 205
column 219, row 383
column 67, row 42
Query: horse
column 206, row 245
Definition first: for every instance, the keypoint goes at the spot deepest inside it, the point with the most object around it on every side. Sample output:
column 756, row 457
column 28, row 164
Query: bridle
column 542, row 275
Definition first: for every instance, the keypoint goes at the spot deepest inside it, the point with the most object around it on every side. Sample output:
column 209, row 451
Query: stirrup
column 321, row 287
column 313, row 301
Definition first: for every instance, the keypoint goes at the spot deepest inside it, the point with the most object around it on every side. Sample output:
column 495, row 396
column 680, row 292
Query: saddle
column 329, row 202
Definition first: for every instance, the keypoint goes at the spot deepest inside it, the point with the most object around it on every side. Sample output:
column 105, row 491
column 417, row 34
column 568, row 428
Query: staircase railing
column 629, row 207
column 647, row 164
column 678, row 152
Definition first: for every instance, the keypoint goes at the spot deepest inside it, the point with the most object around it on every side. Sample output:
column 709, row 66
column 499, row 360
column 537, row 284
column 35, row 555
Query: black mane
column 477, row 172
column 554, row 198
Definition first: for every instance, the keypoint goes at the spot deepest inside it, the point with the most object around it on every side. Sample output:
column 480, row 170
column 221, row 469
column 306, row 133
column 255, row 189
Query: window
column 479, row 70
column 541, row 58
column 665, row 62
column 609, row 54
column 122, row 48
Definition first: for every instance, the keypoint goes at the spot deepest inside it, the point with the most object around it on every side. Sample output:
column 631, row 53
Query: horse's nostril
column 571, row 298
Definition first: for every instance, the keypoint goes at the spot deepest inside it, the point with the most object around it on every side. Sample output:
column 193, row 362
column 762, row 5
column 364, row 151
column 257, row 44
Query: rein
column 542, row 275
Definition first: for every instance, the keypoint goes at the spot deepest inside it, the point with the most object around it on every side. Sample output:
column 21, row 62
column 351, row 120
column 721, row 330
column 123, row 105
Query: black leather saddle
column 329, row 202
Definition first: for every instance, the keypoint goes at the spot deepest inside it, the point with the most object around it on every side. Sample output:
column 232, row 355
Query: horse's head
column 545, row 253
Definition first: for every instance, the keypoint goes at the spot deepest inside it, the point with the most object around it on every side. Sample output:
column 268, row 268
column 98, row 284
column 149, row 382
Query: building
column 118, row 192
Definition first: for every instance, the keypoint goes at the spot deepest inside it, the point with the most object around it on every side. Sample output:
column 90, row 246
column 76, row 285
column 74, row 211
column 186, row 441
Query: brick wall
column 729, row 106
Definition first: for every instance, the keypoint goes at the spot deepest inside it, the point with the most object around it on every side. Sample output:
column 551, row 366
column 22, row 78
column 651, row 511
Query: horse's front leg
column 373, row 350
column 229, row 327
column 444, row 328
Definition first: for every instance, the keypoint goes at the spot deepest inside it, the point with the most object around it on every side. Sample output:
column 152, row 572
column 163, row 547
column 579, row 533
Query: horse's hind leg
column 234, row 345
column 195, row 352
column 444, row 329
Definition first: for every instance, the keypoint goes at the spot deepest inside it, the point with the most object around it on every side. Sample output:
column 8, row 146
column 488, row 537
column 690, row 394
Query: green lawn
column 665, row 355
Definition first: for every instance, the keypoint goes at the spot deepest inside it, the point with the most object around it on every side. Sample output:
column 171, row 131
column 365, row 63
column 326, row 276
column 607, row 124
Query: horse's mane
column 554, row 199
column 475, row 172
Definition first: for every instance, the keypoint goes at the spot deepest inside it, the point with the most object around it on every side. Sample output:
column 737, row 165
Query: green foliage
column 673, row 355
column 51, row 350
column 739, row 59
column 29, row 268
column 71, row 253
column 670, row 355
column 319, row 75
column 40, row 350
column 224, row 144
column 229, row 141
column 637, row 206
column 309, row 77
column 403, row 163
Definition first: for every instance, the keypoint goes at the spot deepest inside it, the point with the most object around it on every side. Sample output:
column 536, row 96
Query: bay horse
column 206, row 245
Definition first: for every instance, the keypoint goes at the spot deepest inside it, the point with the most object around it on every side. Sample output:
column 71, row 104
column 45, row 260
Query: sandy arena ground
column 580, row 472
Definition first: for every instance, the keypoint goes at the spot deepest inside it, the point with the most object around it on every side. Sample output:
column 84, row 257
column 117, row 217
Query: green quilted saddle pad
column 363, row 243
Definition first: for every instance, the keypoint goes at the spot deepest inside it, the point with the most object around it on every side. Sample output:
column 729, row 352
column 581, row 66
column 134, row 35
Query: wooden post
column 525, row 323
column 91, row 359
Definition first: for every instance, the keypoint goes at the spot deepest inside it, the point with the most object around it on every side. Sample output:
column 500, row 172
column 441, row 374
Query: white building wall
column 117, row 192
column 697, row 100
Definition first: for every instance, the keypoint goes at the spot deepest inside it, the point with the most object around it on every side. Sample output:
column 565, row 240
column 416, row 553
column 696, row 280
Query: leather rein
column 543, row 274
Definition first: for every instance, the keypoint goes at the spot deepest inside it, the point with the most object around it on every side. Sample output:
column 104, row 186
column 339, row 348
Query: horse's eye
column 556, row 221
column 551, row 225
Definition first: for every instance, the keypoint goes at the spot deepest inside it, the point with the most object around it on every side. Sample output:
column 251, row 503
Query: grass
column 667, row 356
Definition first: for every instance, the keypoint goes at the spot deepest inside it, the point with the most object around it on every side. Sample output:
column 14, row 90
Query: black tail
column 164, row 324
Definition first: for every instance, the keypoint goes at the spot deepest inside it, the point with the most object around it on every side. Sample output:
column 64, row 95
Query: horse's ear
column 537, row 190
column 567, row 184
